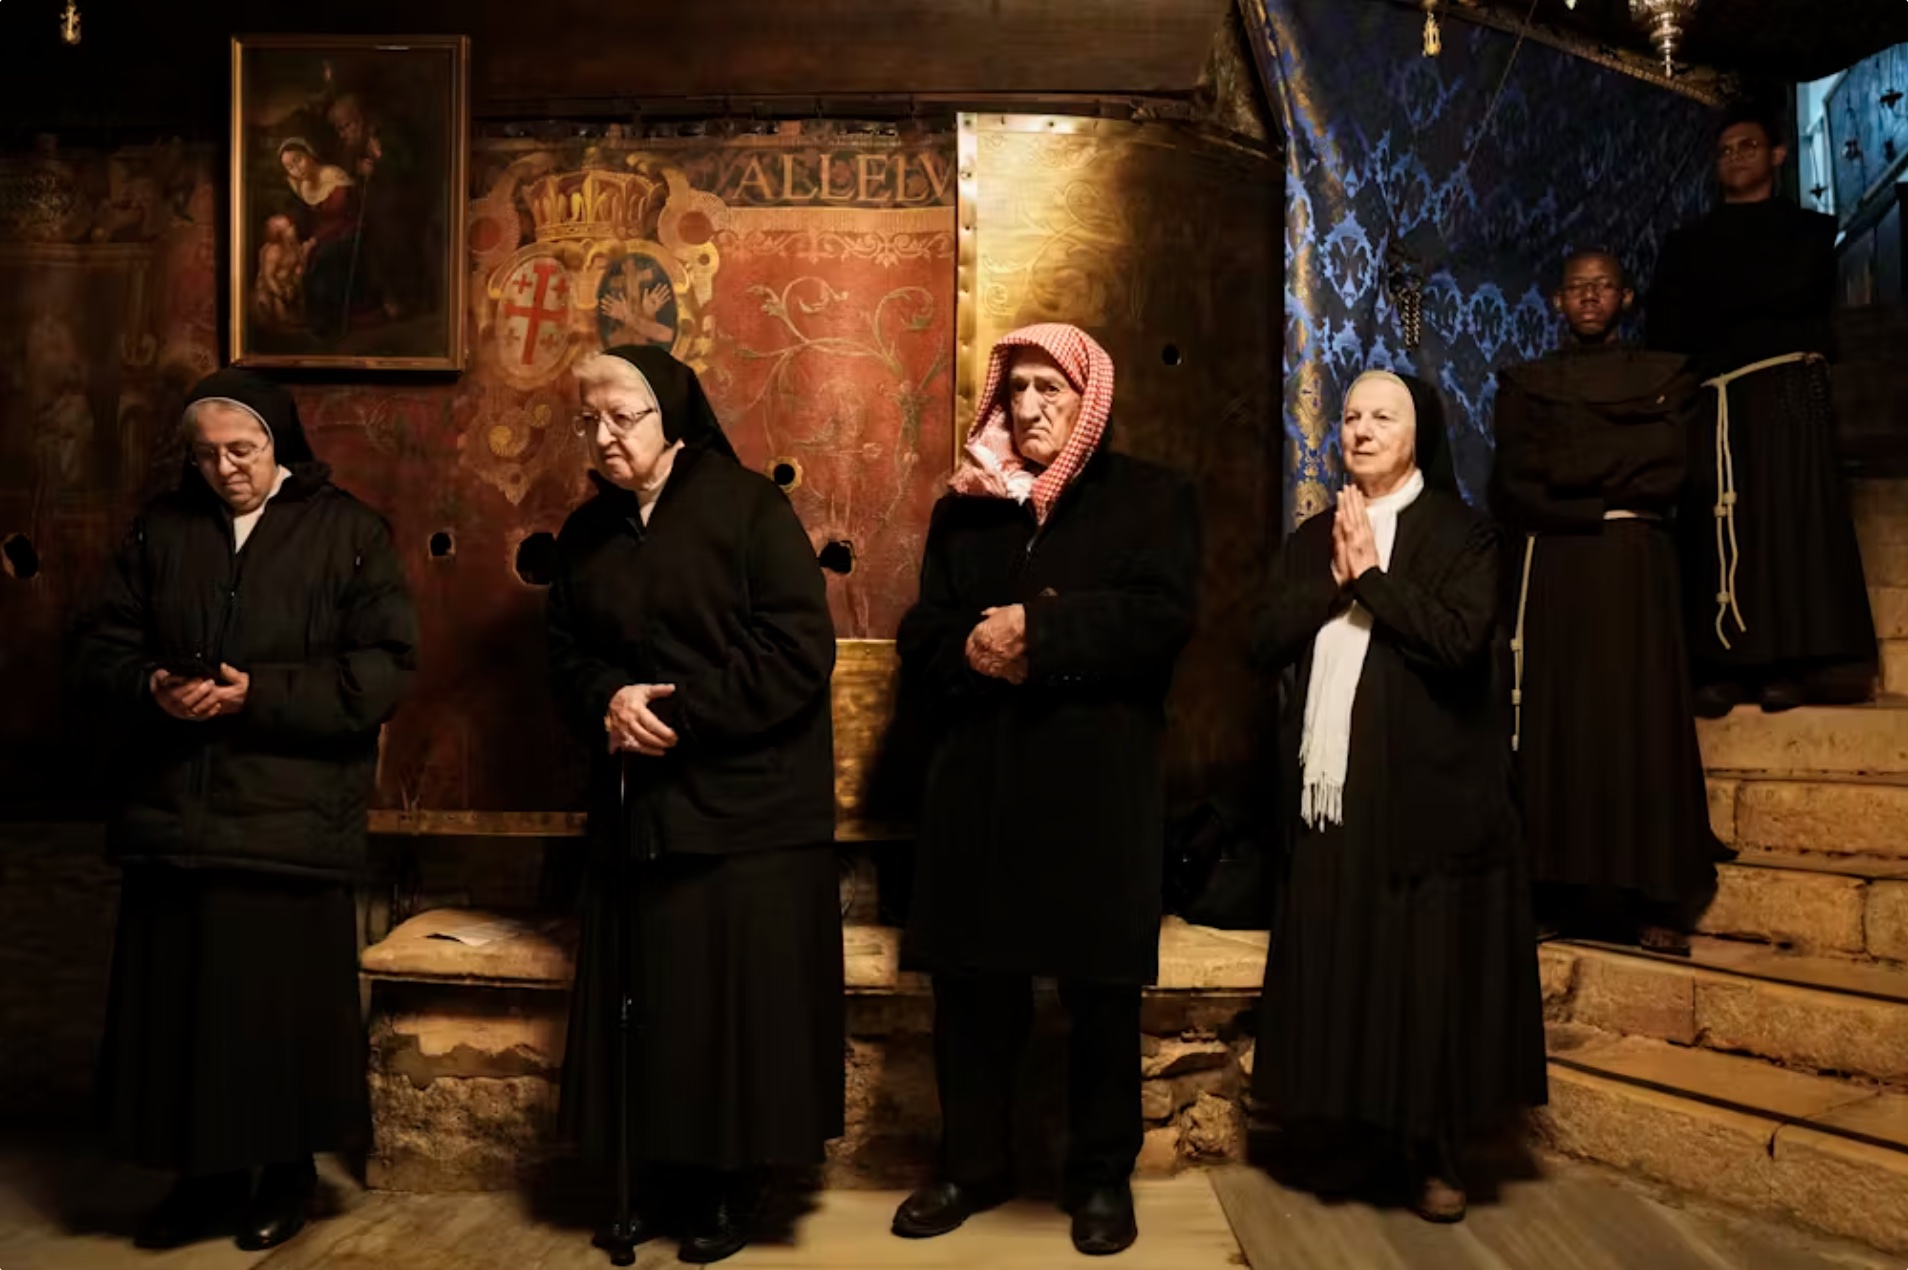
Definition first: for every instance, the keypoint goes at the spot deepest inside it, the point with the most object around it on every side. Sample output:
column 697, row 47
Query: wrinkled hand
column 997, row 647
column 1354, row 545
column 632, row 725
column 196, row 700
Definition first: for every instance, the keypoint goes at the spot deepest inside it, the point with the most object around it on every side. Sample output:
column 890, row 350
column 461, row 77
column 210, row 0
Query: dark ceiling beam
column 167, row 63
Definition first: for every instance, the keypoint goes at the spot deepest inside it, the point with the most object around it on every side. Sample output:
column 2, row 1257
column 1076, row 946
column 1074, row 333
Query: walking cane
column 620, row 1240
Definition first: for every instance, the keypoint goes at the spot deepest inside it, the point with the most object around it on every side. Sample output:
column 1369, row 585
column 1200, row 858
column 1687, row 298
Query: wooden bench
column 467, row 1048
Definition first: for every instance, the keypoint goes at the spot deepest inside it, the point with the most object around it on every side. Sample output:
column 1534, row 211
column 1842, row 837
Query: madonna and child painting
column 347, row 202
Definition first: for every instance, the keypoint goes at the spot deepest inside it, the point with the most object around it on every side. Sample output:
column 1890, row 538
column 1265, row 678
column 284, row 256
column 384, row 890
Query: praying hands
column 1354, row 546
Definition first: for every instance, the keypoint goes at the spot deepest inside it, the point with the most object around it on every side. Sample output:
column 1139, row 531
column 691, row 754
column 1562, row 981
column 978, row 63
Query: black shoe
column 940, row 1207
column 721, row 1226
column 195, row 1208
column 1713, row 701
column 1103, row 1221
column 1783, row 695
column 620, row 1240
column 280, row 1207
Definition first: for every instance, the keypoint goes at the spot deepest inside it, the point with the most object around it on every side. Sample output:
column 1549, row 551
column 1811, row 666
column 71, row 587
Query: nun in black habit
column 250, row 641
column 690, row 643
column 1401, row 990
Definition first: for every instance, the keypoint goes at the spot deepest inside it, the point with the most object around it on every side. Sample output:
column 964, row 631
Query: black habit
column 1401, row 988
column 233, row 1035
column 735, row 953
column 1042, row 828
column 1748, row 282
column 1591, row 447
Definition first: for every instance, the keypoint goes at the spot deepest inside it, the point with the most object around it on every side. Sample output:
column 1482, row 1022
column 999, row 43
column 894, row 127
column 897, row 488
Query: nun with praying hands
column 1401, row 996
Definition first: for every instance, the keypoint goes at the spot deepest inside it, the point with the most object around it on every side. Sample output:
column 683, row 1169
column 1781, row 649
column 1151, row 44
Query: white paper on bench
column 480, row 931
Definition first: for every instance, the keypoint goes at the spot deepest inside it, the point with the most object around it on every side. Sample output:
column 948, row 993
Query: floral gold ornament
column 1433, row 32
column 70, row 23
column 1665, row 21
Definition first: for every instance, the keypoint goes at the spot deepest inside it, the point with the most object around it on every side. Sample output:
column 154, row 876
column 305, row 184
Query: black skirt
column 1799, row 584
column 234, row 1035
column 738, row 1031
column 1408, row 1005
column 1612, row 778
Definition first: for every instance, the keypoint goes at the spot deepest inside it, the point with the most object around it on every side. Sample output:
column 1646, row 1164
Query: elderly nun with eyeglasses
column 691, row 646
column 250, row 640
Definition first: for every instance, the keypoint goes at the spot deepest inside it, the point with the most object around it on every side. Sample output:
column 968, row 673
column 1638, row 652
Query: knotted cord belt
column 1523, row 605
column 1728, row 553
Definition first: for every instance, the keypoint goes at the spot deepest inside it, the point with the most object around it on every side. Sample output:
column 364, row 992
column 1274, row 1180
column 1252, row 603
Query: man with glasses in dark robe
column 1778, row 608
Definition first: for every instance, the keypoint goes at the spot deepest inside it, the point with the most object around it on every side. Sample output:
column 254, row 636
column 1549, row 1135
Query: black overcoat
column 314, row 609
column 719, row 594
column 1041, row 828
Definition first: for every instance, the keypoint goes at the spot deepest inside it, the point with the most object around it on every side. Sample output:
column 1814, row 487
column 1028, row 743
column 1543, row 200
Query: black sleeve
column 1520, row 491
column 1624, row 465
column 932, row 639
column 782, row 663
column 1137, row 625
column 1300, row 598
column 109, row 662
column 358, row 689
column 1441, row 623
column 581, row 682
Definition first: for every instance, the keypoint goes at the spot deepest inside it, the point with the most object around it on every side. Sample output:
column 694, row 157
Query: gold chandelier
column 1665, row 21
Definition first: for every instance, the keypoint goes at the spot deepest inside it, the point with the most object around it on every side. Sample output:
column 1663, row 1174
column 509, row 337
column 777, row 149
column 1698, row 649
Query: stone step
column 1813, row 1014
column 1811, row 740
column 1853, row 815
column 1853, row 905
column 1830, row 1154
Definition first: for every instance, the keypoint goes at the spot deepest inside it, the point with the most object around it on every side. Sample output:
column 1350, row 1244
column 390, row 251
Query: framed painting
column 348, row 201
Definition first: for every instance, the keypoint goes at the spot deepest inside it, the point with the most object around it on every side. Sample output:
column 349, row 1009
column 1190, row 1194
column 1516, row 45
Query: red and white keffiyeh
column 992, row 467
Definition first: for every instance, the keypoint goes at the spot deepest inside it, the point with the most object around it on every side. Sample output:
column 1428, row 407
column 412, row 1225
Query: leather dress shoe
column 1783, row 695
column 1103, row 1221
column 195, row 1208
column 280, row 1207
column 721, row 1227
column 942, row 1206
column 1713, row 701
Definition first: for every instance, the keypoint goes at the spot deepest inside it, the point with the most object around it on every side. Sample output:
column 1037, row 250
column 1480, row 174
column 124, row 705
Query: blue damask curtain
column 1377, row 134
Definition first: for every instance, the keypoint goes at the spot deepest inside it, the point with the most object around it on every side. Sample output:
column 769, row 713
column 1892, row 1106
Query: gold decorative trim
column 967, row 297
column 1699, row 83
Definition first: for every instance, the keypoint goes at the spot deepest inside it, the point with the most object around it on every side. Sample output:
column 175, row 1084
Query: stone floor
column 62, row 1211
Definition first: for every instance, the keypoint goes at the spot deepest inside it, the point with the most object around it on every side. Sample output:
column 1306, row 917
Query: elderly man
column 1057, row 591
column 253, row 636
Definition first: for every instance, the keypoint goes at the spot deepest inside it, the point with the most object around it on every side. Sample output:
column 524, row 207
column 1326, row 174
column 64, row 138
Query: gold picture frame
column 348, row 199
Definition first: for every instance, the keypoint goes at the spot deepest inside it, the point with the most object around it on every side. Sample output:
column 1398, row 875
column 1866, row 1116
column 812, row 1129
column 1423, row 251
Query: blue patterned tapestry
column 1575, row 156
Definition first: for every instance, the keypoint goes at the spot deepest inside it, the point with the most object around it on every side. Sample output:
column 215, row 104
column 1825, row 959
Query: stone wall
column 464, row 1083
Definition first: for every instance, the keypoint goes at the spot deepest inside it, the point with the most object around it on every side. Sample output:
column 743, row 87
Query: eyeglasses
column 619, row 423
column 1590, row 288
column 239, row 452
column 1747, row 148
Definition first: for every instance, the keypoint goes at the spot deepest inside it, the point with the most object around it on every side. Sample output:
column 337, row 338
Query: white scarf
column 1338, row 662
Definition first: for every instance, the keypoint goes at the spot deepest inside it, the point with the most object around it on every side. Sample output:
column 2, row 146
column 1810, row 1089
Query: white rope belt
column 1517, row 646
column 1728, row 552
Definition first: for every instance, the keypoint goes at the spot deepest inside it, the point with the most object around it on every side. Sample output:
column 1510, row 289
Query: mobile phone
column 188, row 667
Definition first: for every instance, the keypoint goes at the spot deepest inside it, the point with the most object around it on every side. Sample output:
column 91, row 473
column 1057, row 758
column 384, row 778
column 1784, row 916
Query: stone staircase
column 1769, row 1069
